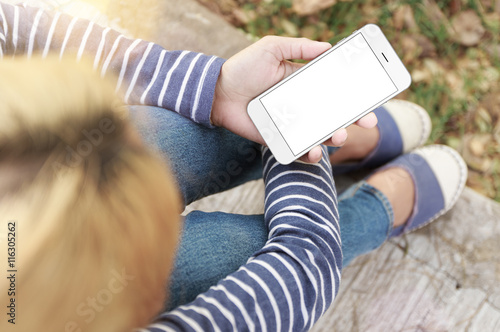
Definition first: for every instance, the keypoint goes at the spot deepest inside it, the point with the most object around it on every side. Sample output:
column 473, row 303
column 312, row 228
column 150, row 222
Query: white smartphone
column 358, row 74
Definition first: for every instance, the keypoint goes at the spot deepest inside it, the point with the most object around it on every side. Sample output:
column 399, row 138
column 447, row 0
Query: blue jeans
column 207, row 161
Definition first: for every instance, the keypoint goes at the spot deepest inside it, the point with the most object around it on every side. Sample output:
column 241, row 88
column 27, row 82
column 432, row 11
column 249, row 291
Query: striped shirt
column 293, row 279
column 145, row 73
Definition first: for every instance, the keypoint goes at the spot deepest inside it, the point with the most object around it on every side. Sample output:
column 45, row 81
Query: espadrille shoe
column 439, row 174
column 403, row 126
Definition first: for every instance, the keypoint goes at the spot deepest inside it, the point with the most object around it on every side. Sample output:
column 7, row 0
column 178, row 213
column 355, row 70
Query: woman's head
column 95, row 213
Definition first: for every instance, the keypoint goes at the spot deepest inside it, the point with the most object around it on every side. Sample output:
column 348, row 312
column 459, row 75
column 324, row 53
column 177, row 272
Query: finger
column 368, row 121
column 338, row 138
column 291, row 67
column 313, row 156
column 296, row 48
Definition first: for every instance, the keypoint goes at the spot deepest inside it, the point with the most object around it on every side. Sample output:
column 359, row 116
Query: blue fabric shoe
column 439, row 174
column 403, row 126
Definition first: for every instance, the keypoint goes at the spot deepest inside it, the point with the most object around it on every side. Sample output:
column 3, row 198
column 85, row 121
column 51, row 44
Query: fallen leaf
column 467, row 28
column 421, row 75
column 220, row 6
column 307, row 7
column 491, row 103
column 456, row 84
column 244, row 16
column 403, row 17
column 477, row 181
column 434, row 67
column 428, row 49
column 482, row 119
column 290, row 28
column 496, row 132
column 473, row 152
column 493, row 50
column 410, row 48
column 309, row 31
column 370, row 13
column 324, row 31
column 491, row 20
column 433, row 12
column 466, row 64
column 477, row 147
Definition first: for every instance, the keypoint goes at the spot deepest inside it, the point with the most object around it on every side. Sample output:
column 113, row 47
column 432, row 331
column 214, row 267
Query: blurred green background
column 451, row 48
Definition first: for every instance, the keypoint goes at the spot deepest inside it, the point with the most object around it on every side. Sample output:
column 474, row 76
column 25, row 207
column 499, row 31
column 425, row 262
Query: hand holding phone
column 334, row 90
column 255, row 69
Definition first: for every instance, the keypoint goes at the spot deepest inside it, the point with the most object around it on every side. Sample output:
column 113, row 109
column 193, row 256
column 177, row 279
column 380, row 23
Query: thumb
column 287, row 48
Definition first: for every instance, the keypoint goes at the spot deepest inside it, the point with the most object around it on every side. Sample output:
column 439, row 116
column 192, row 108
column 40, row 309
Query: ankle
column 359, row 144
column 397, row 185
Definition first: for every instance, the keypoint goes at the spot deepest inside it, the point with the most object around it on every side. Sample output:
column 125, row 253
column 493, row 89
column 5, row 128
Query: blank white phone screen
column 330, row 93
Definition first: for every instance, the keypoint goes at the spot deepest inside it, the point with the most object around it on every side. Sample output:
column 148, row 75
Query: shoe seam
column 458, row 191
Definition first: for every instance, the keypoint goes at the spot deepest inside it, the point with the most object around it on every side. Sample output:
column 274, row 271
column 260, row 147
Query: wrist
column 215, row 105
column 218, row 101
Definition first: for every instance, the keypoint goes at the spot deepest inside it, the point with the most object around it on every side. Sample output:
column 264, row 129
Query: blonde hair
column 95, row 213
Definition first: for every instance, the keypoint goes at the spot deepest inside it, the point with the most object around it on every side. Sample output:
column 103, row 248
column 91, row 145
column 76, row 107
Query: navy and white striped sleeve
column 145, row 73
column 293, row 279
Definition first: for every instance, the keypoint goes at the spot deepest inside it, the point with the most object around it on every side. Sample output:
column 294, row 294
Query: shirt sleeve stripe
column 100, row 48
column 321, row 281
column 15, row 29
column 184, row 83
column 66, row 37
column 200, row 87
column 298, row 240
column 167, row 78
column 125, row 62
column 289, row 227
column 50, row 34
column 223, row 310
column 84, row 40
column 191, row 322
column 310, row 275
column 161, row 327
column 204, row 312
column 292, row 210
column 298, row 283
column 303, row 197
column 110, row 55
column 137, row 72
column 278, row 176
column 34, row 29
column 251, row 292
column 282, row 283
column 237, row 302
column 269, row 294
column 302, row 184
column 155, row 76
column 4, row 20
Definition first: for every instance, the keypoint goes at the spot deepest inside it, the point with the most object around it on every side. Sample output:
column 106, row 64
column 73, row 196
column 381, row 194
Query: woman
column 96, row 173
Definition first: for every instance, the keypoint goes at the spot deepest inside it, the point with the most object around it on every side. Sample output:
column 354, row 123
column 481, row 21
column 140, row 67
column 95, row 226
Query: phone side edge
column 269, row 132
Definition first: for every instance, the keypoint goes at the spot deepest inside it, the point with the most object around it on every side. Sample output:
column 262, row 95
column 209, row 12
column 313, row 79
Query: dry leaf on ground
column 467, row 28
column 474, row 151
column 403, row 17
column 307, row 7
column 433, row 12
